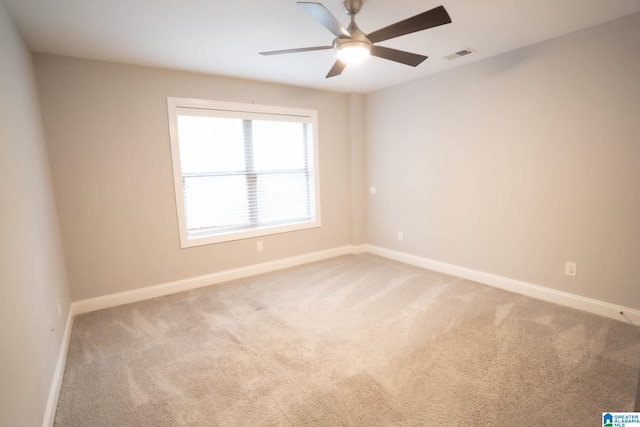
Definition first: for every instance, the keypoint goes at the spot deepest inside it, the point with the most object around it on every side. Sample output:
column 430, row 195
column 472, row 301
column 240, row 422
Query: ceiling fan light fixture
column 353, row 53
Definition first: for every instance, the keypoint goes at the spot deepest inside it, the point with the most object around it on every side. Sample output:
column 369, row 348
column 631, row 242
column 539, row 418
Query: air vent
column 463, row 52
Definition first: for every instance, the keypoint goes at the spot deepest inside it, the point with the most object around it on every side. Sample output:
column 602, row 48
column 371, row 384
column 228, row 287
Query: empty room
column 336, row 213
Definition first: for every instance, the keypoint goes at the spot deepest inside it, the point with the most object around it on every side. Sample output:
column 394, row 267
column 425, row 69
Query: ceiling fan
column 352, row 45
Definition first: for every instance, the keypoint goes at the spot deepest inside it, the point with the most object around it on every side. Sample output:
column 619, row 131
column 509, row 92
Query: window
column 242, row 170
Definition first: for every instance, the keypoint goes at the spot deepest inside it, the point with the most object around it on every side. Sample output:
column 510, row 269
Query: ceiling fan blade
column 302, row 49
column 323, row 16
column 429, row 19
column 337, row 69
column 400, row 56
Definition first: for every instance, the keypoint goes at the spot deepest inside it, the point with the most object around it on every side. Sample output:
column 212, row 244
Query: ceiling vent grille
column 458, row 54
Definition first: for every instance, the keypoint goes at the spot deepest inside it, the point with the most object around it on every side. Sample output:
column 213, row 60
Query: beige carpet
column 354, row 341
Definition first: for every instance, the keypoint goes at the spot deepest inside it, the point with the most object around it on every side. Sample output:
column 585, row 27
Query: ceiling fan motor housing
column 358, row 42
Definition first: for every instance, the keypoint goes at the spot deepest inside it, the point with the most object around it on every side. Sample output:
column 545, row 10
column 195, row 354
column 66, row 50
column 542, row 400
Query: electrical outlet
column 59, row 308
column 570, row 269
column 260, row 246
column 400, row 236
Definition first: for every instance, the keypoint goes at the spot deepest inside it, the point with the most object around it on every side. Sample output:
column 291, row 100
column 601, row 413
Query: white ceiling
column 224, row 37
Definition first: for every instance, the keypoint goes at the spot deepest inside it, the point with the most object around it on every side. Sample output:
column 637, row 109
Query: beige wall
column 358, row 166
column 108, row 139
column 32, row 276
column 512, row 165
column 518, row 163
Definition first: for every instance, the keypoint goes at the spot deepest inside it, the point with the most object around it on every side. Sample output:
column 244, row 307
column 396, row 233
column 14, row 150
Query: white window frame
column 252, row 112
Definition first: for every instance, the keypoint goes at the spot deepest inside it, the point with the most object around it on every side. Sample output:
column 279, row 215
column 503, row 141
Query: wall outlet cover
column 570, row 269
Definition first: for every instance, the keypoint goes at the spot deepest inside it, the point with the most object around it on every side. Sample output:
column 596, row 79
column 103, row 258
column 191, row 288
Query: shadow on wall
column 636, row 407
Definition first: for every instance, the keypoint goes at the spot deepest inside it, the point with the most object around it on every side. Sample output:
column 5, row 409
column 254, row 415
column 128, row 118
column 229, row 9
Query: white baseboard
column 135, row 295
column 539, row 292
column 535, row 291
column 56, row 384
